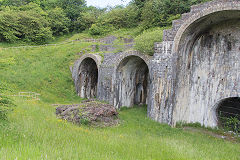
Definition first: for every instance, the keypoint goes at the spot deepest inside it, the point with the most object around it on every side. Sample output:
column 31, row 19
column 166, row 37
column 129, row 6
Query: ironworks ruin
column 192, row 73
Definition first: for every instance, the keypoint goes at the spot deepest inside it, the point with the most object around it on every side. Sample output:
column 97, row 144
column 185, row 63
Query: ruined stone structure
column 194, row 70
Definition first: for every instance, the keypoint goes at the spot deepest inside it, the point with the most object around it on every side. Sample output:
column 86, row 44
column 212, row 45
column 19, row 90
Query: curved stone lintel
column 124, row 55
column 220, row 6
column 95, row 57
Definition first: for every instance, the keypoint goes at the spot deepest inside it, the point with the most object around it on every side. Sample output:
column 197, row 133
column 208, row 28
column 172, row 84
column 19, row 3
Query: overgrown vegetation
column 231, row 123
column 145, row 41
column 40, row 21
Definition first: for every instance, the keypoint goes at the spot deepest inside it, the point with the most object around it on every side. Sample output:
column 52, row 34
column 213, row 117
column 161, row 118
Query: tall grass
column 34, row 132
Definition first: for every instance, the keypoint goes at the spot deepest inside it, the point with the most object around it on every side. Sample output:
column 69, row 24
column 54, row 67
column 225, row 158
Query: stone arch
column 207, row 46
column 199, row 16
column 227, row 108
column 123, row 55
column 95, row 57
column 85, row 75
column 131, row 80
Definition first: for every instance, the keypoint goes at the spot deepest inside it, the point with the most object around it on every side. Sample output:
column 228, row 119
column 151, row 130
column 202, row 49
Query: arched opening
column 132, row 82
column 228, row 114
column 207, row 66
column 88, row 78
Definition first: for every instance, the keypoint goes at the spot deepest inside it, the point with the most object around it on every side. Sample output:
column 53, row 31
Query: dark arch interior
column 228, row 109
column 132, row 82
column 88, row 78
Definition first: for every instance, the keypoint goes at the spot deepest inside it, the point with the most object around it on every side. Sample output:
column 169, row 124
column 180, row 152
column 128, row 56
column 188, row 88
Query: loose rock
column 89, row 113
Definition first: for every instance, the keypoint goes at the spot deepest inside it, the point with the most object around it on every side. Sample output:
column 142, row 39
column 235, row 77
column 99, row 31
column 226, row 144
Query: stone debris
column 89, row 113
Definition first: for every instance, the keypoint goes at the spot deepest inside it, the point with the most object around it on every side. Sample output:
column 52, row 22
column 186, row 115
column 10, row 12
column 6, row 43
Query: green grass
column 44, row 70
column 33, row 131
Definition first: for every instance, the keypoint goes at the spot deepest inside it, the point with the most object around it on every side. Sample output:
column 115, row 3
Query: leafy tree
column 45, row 4
column 26, row 23
column 72, row 8
column 162, row 12
column 100, row 29
column 87, row 18
column 9, row 29
column 119, row 17
column 58, row 21
column 139, row 3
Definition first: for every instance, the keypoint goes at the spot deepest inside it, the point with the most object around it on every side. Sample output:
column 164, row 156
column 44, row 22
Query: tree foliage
column 118, row 17
column 30, row 23
column 58, row 21
column 72, row 8
column 39, row 21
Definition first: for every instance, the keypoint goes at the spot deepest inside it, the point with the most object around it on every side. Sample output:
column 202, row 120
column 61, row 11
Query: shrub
column 58, row 21
column 120, row 17
column 230, row 123
column 145, row 41
column 9, row 29
column 116, row 18
column 27, row 23
column 98, row 29
column 72, row 8
column 85, row 21
column 34, row 27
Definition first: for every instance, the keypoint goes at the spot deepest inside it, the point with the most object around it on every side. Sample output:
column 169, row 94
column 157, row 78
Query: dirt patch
column 89, row 113
column 229, row 136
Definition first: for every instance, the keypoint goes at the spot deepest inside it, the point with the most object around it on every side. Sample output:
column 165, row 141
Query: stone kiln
column 194, row 69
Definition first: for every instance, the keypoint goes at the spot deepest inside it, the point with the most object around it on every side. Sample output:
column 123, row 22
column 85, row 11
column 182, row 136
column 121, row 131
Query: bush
column 72, row 8
column 9, row 29
column 230, row 123
column 27, row 23
column 116, row 18
column 58, row 21
column 120, row 17
column 85, row 21
column 34, row 27
column 97, row 29
column 145, row 41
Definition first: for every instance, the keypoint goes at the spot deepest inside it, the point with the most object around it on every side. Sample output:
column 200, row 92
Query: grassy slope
column 33, row 132
column 44, row 70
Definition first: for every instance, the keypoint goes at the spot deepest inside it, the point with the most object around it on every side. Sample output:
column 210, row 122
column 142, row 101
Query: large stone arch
column 131, row 79
column 220, row 6
column 86, row 74
column 123, row 55
column 207, row 45
column 226, row 107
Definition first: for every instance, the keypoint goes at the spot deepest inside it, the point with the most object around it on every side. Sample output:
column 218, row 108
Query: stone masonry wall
column 195, row 67
column 199, row 55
